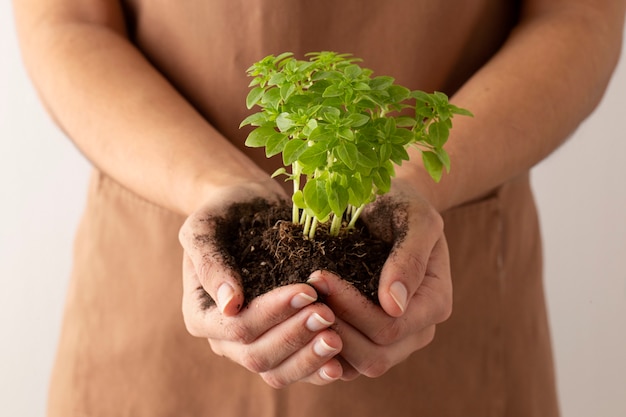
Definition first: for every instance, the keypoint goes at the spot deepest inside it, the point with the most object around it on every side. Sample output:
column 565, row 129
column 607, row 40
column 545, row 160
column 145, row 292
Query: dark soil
column 269, row 251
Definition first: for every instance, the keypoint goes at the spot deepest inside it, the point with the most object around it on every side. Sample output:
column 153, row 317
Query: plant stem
column 355, row 216
column 307, row 224
column 335, row 226
column 295, row 171
column 313, row 228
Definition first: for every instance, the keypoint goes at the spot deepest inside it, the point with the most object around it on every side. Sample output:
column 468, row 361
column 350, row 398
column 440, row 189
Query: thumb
column 221, row 283
column 212, row 265
column 421, row 251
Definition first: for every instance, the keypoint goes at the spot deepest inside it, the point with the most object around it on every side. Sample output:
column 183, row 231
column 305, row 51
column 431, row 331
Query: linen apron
column 124, row 350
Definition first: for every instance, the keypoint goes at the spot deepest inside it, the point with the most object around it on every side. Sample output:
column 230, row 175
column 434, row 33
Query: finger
column 282, row 341
column 349, row 373
column 211, row 263
column 429, row 306
column 420, row 251
column 314, row 363
column 373, row 360
column 258, row 317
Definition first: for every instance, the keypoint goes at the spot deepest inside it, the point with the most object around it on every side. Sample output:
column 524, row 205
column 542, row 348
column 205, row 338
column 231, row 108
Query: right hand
column 283, row 335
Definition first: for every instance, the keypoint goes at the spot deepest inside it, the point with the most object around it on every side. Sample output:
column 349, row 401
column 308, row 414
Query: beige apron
column 124, row 350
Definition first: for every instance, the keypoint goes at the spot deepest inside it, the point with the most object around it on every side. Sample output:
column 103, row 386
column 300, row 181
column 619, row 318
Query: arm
column 133, row 125
column 527, row 99
column 119, row 111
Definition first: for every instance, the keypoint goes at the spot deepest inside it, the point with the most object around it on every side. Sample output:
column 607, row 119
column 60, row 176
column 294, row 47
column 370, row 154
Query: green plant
column 341, row 130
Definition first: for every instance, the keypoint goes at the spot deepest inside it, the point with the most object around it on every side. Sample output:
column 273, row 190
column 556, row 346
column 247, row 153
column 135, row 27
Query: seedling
column 341, row 131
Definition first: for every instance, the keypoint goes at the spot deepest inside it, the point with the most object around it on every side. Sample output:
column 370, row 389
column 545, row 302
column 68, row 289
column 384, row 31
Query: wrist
column 415, row 177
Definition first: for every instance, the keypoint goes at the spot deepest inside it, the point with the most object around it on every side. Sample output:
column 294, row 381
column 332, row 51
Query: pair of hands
column 285, row 335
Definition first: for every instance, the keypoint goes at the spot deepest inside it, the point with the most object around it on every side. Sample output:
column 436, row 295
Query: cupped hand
column 415, row 290
column 283, row 335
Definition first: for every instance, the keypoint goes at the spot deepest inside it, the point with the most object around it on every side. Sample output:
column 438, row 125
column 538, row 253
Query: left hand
column 415, row 289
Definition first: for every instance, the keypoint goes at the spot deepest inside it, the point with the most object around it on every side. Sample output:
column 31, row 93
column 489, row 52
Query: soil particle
column 260, row 242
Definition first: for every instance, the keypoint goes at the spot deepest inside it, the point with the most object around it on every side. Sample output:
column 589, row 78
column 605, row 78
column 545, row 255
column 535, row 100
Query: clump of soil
column 269, row 251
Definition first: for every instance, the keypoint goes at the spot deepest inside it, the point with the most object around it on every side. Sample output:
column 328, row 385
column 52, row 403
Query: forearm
column 126, row 118
column 546, row 79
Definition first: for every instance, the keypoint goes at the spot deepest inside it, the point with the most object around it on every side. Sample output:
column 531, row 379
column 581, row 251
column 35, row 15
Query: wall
column 581, row 195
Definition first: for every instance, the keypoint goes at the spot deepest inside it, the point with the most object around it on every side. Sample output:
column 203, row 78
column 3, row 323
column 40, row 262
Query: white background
column 581, row 192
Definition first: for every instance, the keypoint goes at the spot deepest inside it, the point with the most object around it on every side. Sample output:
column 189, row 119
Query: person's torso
column 205, row 47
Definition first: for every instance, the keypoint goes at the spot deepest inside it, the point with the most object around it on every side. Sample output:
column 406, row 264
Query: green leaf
column 293, row 150
column 330, row 115
column 316, row 198
column 460, row 111
column 433, row 165
column 359, row 189
column 357, row 119
column 352, row 71
column 444, row 157
column 275, row 144
column 348, row 153
column 397, row 93
column 315, row 156
column 384, row 153
column 422, row 97
column 283, row 56
column 254, row 96
column 271, row 98
column 298, row 199
column 361, row 86
column 284, row 122
column 398, row 154
column 367, row 156
column 381, row 82
column 402, row 137
column 276, row 79
column 337, row 197
column 280, row 171
column 438, row 133
column 382, row 180
column 286, row 91
column 259, row 136
column 346, row 133
column 333, row 90
column 256, row 119
column 405, row 121
column 310, row 126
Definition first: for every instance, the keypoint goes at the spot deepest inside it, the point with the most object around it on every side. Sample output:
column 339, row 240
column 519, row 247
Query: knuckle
column 216, row 347
column 417, row 264
column 237, row 332
column 290, row 344
column 376, row 367
column 254, row 363
column 445, row 313
column 426, row 338
column 274, row 381
column 192, row 319
column 390, row 333
column 192, row 326
column 206, row 268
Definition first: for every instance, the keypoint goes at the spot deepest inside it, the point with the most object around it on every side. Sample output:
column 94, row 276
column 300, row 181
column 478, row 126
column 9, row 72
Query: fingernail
column 225, row 293
column 301, row 300
column 325, row 376
column 399, row 294
column 315, row 323
column 321, row 348
column 319, row 284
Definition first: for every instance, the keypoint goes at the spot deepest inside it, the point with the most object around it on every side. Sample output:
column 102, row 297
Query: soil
column 268, row 250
